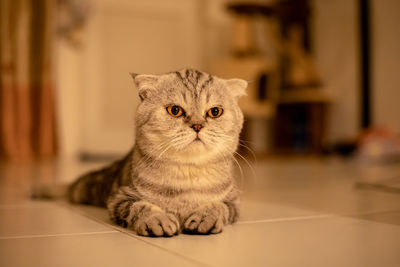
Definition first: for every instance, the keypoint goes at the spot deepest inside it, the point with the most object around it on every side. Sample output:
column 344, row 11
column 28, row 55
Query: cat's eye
column 215, row 112
column 175, row 111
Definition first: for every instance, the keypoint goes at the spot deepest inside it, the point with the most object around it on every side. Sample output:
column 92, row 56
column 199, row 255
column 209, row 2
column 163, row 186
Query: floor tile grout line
column 77, row 211
column 136, row 237
column 123, row 231
column 56, row 235
column 165, row 249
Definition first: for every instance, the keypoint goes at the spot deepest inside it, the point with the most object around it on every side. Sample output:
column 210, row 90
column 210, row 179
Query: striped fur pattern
column 175, row 179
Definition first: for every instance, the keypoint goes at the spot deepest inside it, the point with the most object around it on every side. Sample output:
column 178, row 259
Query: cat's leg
column 146, row 219
column 211, row 218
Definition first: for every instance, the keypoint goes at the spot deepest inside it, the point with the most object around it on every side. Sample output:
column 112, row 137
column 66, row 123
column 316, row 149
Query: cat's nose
column 197, row 127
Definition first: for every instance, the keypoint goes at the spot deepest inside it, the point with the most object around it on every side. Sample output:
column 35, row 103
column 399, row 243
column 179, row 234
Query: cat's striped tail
column 95, row 187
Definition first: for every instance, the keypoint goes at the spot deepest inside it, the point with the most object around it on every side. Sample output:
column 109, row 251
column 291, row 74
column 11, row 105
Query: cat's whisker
column 172, row 143
column 148, row 158
column 230, row 156
column 250, row 150
column 247, row 162
column 241, row 173
column 246, row 141
column 217, row 134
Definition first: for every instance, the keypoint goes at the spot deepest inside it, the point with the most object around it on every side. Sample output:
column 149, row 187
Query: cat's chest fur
column 179, row 187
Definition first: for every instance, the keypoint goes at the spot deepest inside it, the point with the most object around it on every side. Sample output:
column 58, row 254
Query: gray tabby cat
column 178, row 176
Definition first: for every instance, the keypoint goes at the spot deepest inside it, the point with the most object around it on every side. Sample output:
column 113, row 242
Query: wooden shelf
column 306, row 95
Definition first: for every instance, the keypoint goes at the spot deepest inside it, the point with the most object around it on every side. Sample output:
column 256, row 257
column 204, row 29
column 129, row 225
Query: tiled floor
column 295, row 212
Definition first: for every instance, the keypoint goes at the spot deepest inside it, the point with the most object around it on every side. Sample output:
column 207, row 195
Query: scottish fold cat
column 178, row 177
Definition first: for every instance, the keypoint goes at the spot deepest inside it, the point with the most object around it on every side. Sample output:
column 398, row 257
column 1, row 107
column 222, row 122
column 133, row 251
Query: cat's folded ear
column 145, row 84
column 237, row 87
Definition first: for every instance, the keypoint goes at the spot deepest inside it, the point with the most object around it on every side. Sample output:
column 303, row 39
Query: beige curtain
column 27, row 112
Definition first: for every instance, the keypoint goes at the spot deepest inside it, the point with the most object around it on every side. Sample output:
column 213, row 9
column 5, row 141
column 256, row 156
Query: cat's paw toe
column 159, row 224
column 193, row 222
column 142, row 229
column 170, row 225
column 210, row 225
column 199, row 223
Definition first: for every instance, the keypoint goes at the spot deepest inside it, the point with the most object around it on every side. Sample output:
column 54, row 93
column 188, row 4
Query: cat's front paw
column 157, row 224
column 204, row 221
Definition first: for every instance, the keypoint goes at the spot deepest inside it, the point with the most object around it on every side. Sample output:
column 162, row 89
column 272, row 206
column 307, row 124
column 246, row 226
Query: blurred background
column 323, row 74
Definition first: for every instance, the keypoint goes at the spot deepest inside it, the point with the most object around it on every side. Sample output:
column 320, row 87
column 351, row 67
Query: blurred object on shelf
column 374, row 145
column 246, row 34
column 305, row 95
column 73, row 16
column 299, row 70
column 379, row 145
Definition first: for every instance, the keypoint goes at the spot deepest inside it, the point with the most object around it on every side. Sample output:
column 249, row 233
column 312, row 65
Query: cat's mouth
column 197, row 139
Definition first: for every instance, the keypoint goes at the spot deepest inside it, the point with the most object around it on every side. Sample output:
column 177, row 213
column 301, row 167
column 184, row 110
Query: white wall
column 69, row 99
column 386, row 63
column 336, row 33
column 96, row 96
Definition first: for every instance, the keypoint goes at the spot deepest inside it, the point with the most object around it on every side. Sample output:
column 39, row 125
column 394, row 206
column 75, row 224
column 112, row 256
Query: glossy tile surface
column 294, row 212
column 325, row 186
column 331, row 241
column 382, row 217
column 257, row 210
column 43, row 218
column 106, row 249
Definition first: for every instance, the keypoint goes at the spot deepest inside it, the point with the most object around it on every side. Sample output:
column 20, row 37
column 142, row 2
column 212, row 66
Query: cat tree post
column 247, row 62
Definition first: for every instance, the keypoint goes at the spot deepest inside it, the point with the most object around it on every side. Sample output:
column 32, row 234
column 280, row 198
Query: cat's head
column 188, row 116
